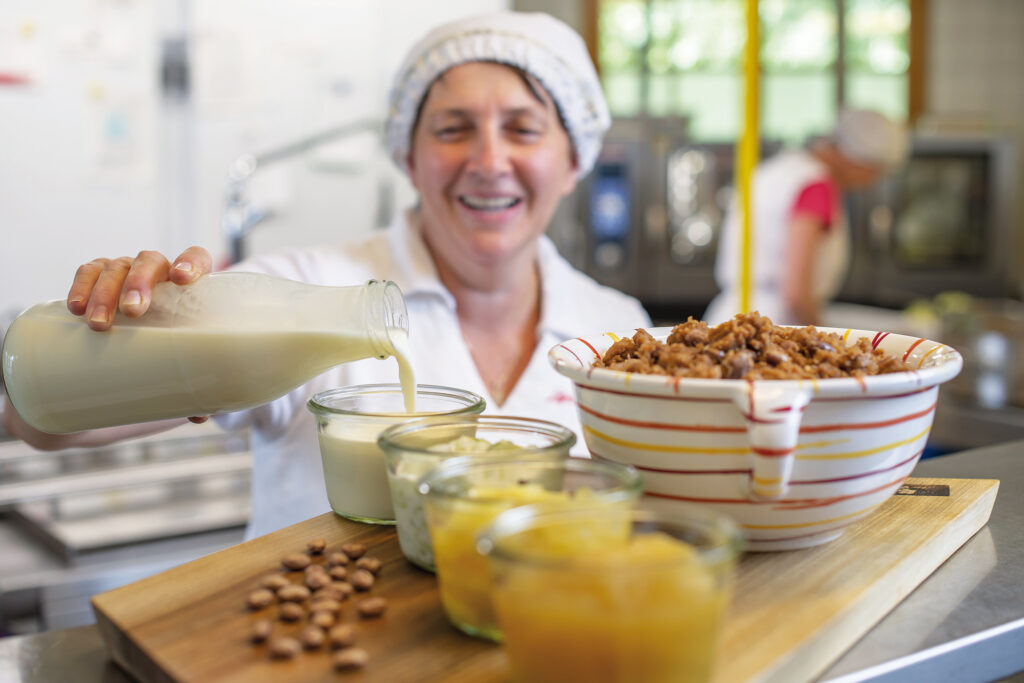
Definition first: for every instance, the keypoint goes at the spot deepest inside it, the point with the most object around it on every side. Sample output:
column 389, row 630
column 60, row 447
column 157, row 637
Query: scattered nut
column 354, row 550
column 293, row 593
column 259, row 598
column 372, row 607
column 317, row 580
column 291, row 611
column 329, row 584
column 296, row 561
column 312, row 637
column 340, row 590
column 325, row 605
column 335, row 591
column 284, row 647
column 362, row 580
column 370, row 564
column 323, row 619
column 350, row 658
column 342, row 635
column 274, row 582
column 261, row 630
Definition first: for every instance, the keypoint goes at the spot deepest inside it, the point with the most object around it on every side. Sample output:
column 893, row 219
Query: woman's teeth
column 489, row 203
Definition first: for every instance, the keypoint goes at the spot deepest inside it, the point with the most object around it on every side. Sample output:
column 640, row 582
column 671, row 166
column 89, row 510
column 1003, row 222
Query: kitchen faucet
column 240, row 216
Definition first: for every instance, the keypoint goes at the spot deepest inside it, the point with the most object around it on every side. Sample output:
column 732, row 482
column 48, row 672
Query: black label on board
column 923, row 490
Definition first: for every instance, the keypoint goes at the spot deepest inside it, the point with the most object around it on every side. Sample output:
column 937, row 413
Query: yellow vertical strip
column 747, row 153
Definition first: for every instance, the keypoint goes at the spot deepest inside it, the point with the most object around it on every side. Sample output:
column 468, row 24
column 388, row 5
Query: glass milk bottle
column 226, row 342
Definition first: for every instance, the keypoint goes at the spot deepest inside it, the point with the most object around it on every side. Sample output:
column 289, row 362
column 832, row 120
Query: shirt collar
column 416, row 273
column 560, row 314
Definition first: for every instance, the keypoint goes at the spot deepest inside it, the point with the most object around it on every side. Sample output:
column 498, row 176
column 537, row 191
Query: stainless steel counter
column 78, row 522
column 964, row 624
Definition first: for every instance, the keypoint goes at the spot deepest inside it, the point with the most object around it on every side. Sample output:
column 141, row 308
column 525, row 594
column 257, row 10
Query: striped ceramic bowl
column 794, row 462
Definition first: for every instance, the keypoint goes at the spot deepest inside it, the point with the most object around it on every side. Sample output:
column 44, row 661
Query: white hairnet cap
column 870, row 138
column 542, row 46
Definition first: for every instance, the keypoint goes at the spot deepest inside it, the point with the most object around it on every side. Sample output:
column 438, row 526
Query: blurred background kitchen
column 245, row 126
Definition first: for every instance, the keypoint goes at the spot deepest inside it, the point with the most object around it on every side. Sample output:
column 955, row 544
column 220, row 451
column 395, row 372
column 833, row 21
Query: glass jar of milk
column 348, row 423
column 226, row 342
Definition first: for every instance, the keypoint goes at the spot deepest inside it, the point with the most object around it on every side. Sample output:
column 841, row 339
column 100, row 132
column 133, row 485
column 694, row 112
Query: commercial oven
column 647, row 219
column 945, row 222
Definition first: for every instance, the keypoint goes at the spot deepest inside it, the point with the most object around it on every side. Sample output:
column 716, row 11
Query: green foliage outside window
column 684, row 58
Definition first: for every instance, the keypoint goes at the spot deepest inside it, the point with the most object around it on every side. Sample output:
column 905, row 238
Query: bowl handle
column 772, row 411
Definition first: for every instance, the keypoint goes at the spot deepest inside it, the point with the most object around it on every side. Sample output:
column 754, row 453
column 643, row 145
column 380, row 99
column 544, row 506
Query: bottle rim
column 395, row 438
column 386, row 312
column 444, row 480
column 715, row 537
column 325, row 402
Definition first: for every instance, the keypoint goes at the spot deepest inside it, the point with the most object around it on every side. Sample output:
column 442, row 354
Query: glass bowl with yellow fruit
column 414, row 448
column 464, row 494
column 608, row 595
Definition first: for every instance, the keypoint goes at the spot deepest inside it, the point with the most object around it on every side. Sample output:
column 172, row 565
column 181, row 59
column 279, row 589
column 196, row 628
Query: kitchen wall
column 975, row 79
column 98, row 159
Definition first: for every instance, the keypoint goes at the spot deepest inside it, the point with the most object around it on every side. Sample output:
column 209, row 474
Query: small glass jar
column 348, row 422
column 463, row 495
column 414, row 448
column 611, row 595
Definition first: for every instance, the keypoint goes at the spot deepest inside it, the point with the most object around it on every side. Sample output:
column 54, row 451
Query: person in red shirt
column 800, row 236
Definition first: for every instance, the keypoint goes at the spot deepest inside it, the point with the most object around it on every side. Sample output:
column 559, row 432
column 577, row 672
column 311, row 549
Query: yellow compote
column 464, row 494
column 462, row 573
column 645, row 609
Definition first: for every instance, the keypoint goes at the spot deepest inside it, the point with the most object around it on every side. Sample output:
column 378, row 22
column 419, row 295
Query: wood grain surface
column 793, row 613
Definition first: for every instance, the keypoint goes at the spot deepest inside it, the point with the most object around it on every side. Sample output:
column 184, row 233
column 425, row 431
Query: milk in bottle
column 226, row 342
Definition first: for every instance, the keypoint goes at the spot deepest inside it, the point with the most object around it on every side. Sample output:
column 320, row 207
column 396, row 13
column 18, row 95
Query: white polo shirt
column 287, row 477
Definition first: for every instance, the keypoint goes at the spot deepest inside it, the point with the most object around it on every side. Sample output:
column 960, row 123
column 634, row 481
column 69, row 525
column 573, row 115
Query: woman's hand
column 104, row 286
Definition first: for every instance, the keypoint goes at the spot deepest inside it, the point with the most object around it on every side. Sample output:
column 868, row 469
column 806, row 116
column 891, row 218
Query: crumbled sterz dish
column 749, row 346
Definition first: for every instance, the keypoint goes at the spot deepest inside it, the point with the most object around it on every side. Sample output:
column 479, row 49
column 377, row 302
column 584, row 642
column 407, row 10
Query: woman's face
column 490, row 161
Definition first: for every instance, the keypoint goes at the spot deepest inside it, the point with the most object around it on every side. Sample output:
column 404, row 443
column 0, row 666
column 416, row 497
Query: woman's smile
column 491, row 161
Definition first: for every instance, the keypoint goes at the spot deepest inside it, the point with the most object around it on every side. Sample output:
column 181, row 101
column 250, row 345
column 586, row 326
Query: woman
column 494, row 119
column 801, row 241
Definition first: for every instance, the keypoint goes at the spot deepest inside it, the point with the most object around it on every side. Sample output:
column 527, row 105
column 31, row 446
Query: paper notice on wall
column 120, row 136
column 21, row 58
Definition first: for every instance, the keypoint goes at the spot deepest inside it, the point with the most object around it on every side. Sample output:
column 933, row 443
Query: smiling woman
column 494, row 118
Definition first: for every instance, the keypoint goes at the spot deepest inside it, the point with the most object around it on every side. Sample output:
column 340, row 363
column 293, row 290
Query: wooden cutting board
column 793, row 613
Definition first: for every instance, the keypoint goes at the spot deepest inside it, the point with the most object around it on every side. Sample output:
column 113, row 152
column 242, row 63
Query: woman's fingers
column 106, row 291
column 104, row 286
column 192, row 263
column 81, row 288
column 148, row 268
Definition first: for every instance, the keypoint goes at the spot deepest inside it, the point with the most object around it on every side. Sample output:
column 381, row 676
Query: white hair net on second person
column 542, row 46
column 870, row 138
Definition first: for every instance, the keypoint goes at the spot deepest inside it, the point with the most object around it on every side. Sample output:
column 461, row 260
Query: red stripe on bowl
column 578, row 360
column 662, row 425
column 824, row 502
column 911, row 348
column 634, row 394
column 867, row 425
column 772, row 452
column 588, row 345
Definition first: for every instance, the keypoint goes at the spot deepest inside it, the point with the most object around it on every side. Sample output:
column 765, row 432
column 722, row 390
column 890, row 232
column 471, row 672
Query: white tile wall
column 975, row 62
column 975, row 74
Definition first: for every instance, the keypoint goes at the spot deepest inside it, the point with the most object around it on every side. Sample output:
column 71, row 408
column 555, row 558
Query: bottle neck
column 386, row 312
